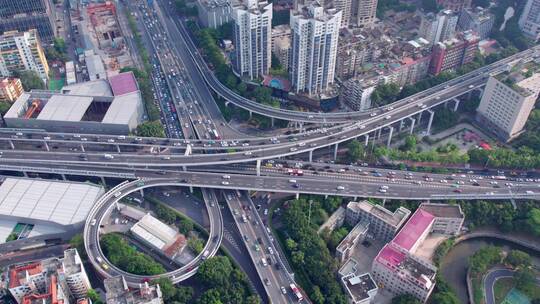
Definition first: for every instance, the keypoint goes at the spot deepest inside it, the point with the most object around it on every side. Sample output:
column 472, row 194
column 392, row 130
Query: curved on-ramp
column 104, row 205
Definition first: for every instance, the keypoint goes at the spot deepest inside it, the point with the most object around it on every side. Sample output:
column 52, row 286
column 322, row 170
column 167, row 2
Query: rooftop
column 64, row 203
column 65, row 108
column 415, row 227
column 358, row 230
column 359, row 287
column 443, row 210
column 123, row 83
column 155, row 232
column 395, row 218
column 117, row 292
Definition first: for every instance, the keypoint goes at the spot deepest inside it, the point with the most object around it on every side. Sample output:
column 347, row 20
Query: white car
column 283, row 290
column 373, row 114
column 226, row 177
column 224, row 182
column 247, row 153
column 340, row 188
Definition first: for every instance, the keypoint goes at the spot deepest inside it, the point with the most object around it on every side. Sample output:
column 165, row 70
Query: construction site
column 104, row 51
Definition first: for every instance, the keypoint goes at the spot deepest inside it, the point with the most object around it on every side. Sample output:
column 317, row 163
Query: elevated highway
column 108, row 201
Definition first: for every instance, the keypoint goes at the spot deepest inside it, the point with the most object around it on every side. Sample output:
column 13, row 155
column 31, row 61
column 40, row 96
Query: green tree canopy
column 484, row 258
column 151, row 129
column 518, row 258
column 215, row 271
column 405, row 299
column 30, row 80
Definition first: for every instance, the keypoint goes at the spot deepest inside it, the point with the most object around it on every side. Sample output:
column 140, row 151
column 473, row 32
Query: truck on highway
column 216, row 134
column 296, row 292
column 295, row 172
column 244, row 219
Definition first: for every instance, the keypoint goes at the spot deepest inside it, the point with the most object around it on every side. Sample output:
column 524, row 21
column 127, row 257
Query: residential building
column 63, row 279
column 399, row 267
column 361, row 289
column 118, row 292
column 214, row 13
column 22, row 51
column 438, row 27
column 452, row 54
column 10, row 89
column 109, row 106
column 252, row 38
column 24, row 15
column 315, row 32
column 507, row 101
column 455, row 5
column 529, row 21
column 363, row 12
column 357, row 93
column 345, row 7
column 478, row 20
column 281, row 44
column 383, row 224
column 347, row 245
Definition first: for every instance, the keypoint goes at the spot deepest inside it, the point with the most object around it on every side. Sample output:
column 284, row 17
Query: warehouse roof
column 98, row 87
column 154, row 231
column 65, row 108
column 118, row 111
column 64, row 203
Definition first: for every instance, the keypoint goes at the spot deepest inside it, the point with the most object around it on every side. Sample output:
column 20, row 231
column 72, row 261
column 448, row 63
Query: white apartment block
column 22, row 51
column 383, row 224
column 66, row 274
column 281, row 44
column 439, row 27
column 506, row 104
column 345, row 6
column 357, row 93
column 315, row 33
column 363, row 12
column 252, row 38
column 529, row 21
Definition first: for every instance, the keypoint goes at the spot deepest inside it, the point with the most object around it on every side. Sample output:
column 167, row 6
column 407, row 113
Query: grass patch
column 478, row 290
column 501, row 289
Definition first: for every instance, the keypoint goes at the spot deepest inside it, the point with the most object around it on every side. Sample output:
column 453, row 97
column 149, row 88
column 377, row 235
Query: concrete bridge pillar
column 250, row 114
column 390, row 136
column 431, row 114
column 103, row 180
column 335, row 150
column 12, row 145
column 227, row 103
column 412, row 125
column 456, row 104
column 25, row 174
column 379, row 133
column 46, row 146
column 366, row 139
column 297, row 196
column 191, row 189
column 141, row 191
column 118, row 149
column 326, row 196
column 419, row 117
column 272, row 121
column 311, row 155
column 401, row 124
column 63, row 177
column 82, row 148
column 258, row 167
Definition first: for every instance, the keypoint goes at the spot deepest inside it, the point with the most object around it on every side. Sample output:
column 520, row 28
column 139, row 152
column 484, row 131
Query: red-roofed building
column 397, row 268
column 123, row 83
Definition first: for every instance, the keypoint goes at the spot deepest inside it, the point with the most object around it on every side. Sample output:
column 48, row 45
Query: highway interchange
column 181, row 82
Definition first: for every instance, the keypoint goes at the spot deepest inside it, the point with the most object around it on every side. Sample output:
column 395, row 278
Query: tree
column 167, row 288
column 4, row 107
column 484, row 258
column 410, row 143
column 290, row 244
column 533, row 221
column 316, row 295
column 30, row 80
column 94, row 296
column 445, row 298
column 518, row 258
column 385, row 94
column 151, row 129
column 405, row 299
column 355, row 150
column 185, row 226
column 525, row 281
column 196, row 245
column 211, row 296
column 77, row 242
column 215, row 271
column 184, row 294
